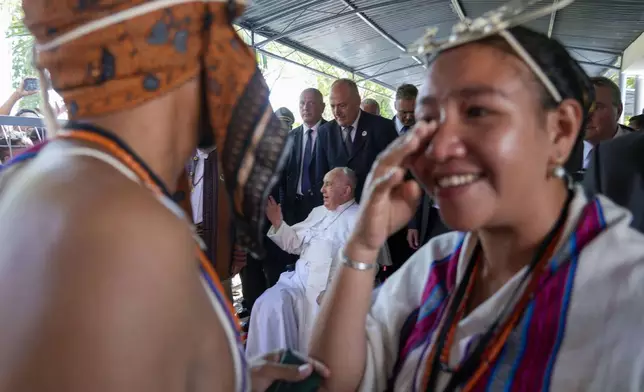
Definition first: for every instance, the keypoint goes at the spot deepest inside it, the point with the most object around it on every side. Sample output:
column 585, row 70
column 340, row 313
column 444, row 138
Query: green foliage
column 325, row 76
column 382, row 95
column 614, row 76
column 324, row 85
column 21, row 42
column 262, row 59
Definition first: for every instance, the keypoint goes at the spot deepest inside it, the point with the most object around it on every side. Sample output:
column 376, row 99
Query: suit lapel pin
column 364, row 133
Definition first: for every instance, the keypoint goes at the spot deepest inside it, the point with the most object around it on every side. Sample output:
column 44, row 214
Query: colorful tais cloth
column 577, row 333
column 125, row 64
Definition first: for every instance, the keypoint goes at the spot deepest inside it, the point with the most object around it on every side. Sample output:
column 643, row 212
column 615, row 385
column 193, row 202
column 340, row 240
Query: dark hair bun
column 566, row 74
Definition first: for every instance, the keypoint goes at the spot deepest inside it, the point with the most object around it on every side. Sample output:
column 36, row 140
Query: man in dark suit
column 637, row 122
column 616, row 170
column 354, row 138
column 426, row 224
column 602, row 124
column 405, row 105
column 298, row 193
column 420, row 226
column 404, row 120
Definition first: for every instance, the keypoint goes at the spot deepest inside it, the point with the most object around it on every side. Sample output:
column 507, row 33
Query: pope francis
column 282, row 317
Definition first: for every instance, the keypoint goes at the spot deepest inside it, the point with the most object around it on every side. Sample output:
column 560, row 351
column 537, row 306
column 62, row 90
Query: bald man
column 298, row 194
column 354, row 138
column 370, row 105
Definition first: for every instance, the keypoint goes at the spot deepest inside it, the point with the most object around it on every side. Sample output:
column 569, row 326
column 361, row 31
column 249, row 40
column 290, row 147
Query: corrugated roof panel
column 352, row 42
column 600, row 24
column 414, row 76
column 302, row 18
column 590, row 24
column 475, row 8
column 264, row 9
column 395, row 63
column 592, row 57
column 407, row 22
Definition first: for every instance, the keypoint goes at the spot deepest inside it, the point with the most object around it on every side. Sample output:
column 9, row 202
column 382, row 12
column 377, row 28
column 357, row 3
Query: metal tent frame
column 307, row 25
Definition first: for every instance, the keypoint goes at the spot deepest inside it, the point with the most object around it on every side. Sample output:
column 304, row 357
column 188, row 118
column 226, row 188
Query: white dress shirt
column 399, row 125
column 588, row 148
column 314, row 136
column 196, row 194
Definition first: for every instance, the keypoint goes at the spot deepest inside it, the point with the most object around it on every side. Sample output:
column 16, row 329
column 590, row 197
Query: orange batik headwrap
column 107, row 56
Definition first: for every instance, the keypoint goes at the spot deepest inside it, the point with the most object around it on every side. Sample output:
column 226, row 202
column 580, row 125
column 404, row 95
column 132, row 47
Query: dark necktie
column 306, row 164
column 404, row 130
column 348, row 143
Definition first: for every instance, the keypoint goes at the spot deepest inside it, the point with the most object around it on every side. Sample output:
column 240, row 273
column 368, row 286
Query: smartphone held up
column 31, row 84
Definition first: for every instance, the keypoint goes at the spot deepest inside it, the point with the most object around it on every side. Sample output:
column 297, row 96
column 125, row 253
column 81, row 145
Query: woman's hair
column 563, row 71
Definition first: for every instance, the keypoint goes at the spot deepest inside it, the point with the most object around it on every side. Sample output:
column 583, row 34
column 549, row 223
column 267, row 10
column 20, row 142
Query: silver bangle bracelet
column 357, row 265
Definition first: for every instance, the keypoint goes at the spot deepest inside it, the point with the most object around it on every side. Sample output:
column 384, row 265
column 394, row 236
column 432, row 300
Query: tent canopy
column 368, row 37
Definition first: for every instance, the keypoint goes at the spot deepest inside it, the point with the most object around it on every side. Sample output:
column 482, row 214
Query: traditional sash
column 528, row 357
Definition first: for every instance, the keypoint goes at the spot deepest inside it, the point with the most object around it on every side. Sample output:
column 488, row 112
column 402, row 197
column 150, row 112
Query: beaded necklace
column 120, row 151
column 466, row 375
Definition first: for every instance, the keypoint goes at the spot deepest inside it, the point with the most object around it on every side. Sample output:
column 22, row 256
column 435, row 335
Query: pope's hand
column 389, row 201
column 274, row 212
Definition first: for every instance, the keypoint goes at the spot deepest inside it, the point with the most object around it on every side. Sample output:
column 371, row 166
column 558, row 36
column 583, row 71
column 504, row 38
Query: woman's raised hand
column 389, row 201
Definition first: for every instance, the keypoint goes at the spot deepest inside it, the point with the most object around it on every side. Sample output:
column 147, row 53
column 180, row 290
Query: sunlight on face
column 335, row 189
column 602, row 124
column 311, row 107
column 490, row 150
column 344, row 104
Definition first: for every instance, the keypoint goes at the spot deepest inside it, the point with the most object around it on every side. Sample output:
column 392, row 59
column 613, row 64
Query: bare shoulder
column 111, row 293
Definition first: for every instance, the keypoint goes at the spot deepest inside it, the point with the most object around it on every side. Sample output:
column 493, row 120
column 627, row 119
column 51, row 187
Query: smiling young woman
column 540, row 288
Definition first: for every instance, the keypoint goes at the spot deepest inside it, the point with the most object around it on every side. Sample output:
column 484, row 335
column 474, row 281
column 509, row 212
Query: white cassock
column 283, row 315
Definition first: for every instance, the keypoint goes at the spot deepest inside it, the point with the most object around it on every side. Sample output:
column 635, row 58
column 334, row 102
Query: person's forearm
column 5, row 109
column 339, row 337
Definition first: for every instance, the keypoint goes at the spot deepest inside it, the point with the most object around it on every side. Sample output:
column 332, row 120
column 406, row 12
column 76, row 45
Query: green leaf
column 21, row 43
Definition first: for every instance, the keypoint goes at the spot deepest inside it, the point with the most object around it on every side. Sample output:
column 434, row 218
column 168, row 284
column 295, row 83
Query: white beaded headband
column 496, row 22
